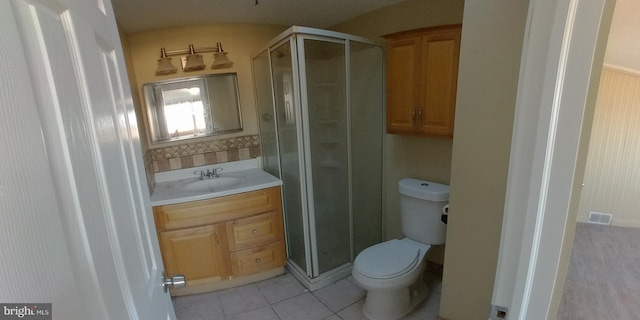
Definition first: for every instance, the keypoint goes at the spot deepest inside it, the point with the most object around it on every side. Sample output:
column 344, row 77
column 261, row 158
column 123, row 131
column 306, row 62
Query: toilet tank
column 421, row 204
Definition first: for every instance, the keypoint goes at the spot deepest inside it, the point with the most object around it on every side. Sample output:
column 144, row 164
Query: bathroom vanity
column 221, row 236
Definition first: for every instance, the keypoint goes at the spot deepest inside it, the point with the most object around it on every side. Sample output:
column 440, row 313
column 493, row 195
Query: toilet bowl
column 387, row 271
column 391, row 271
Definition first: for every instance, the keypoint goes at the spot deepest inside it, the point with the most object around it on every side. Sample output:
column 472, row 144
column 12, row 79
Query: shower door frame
column 314, row 271
column 295, row 36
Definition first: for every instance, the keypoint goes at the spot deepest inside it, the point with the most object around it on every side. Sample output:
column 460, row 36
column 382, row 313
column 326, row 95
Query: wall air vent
column 600, row 218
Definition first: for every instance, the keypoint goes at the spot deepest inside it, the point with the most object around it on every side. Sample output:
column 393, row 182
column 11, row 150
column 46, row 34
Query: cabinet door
column 403, row 76
column 439, row 69
column 194, row 252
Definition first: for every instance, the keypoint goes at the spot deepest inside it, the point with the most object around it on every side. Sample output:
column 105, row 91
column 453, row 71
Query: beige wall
column 412, row 14
column 406, row 156
column 492, row 36
column 133, row 82
column 612, row 175
column 239, row 40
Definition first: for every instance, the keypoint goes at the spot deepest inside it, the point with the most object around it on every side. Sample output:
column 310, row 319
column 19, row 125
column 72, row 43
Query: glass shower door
column 287, row 113
column 266, row 114
column 366, row 69
column 320, row 108
column 326, row 119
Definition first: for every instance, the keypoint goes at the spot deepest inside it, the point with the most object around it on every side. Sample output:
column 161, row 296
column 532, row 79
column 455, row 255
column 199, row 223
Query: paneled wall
column 612, row 175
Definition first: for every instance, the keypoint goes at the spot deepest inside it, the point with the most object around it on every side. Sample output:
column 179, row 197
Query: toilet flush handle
column 445, row 214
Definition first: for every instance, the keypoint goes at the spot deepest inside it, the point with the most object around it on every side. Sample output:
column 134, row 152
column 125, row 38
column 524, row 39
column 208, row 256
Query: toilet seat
column 387, row 260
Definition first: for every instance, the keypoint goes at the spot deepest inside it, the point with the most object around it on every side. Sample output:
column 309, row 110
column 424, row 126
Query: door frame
column 560, row 70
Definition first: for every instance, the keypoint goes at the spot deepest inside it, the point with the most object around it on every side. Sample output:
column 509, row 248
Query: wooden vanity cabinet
column 222, row 242
column 422, row 76
column 195, row 252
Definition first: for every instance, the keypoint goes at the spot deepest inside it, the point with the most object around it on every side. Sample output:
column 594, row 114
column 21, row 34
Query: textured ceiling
column 141, row 15
column 623, row 46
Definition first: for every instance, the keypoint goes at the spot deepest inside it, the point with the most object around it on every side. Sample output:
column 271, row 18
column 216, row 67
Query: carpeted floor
column 603, row 280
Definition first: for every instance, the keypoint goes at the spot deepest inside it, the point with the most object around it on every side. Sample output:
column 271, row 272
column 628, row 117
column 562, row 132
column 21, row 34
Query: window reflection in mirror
column 193, row 107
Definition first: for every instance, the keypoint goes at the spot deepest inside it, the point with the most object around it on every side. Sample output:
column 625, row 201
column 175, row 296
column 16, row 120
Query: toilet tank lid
column 425, row 190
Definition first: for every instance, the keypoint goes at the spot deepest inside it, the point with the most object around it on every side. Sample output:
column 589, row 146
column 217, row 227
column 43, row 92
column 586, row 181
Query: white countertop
column 167, row 192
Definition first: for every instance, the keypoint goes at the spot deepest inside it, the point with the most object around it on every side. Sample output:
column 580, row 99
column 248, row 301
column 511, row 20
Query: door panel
column 91, row 136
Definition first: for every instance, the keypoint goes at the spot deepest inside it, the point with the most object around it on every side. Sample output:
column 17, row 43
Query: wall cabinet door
column 403, row 84
column 194, row 252
column 422, row 75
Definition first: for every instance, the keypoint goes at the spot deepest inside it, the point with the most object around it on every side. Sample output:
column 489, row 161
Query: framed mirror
column 193, row 107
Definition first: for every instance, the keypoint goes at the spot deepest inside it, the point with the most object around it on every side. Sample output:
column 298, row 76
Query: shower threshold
column 321, row 281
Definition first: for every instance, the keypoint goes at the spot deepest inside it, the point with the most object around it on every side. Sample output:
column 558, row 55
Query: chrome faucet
column 215, row 172
column 209, row 173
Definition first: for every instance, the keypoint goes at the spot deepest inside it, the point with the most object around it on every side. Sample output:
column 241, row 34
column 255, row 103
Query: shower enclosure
column 320, row 102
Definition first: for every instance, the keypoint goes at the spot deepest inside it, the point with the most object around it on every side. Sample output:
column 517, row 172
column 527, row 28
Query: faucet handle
column 199, row 172
column 216, row 171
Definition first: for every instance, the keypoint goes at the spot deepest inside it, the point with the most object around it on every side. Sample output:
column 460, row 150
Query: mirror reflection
column 193, row 107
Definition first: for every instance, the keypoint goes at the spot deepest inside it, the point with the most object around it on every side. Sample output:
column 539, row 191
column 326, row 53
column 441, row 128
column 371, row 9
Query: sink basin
column 209, row 185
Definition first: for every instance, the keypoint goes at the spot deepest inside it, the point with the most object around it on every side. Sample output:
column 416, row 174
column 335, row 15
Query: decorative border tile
column 148, row 169
column 191, row 155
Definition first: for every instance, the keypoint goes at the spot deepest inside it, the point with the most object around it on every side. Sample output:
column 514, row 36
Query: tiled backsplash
column 197, row 154
column 148, row 170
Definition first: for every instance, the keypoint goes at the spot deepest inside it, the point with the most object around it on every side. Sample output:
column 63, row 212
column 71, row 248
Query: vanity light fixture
column 164, row 64
column 193, row 60
column 220, row 60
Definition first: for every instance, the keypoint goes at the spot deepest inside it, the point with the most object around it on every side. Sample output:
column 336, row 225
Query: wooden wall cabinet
column 222, row 242
column 422, row 76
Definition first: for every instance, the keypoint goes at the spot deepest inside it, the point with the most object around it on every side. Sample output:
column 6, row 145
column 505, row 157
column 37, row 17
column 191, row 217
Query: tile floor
column 284, row 298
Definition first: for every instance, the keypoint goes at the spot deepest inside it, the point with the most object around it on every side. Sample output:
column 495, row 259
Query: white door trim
column 561, row 59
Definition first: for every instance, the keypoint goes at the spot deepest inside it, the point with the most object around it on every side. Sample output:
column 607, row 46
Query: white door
column 90, row 132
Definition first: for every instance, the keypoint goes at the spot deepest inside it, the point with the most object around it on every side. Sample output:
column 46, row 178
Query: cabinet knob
column 255, row 232
column 258, row 260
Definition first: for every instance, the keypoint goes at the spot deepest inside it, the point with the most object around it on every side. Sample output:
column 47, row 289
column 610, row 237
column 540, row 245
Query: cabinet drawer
column 254, row 231
column 211, row 211
column 258, row 259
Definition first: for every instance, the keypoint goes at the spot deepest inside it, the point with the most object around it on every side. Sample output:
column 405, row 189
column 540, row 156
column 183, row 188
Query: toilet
column 391, row 271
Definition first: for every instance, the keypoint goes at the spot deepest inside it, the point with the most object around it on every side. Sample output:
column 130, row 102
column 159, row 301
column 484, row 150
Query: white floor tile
column 281, row 288
column 264, row 313
column 284, row 298
column 429, row 308
column 304, row 306
column 198, row 307
column 339, row 295
column 353, row 312
column 241, row 299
